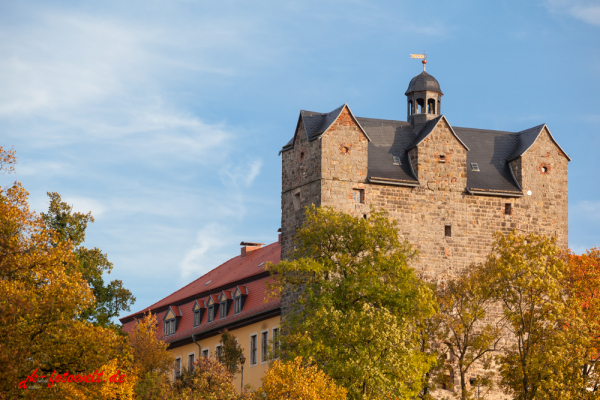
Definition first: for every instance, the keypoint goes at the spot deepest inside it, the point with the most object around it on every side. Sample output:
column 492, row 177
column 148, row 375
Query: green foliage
column 92, row 264
column 359, row 306
column 527, row 275
column 464, row 304
column 230, row 352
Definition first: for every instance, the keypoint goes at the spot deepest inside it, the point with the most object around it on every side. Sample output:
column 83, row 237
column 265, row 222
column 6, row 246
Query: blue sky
column 164, row 118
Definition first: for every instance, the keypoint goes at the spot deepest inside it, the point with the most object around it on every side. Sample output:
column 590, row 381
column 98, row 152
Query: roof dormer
column 198, row 311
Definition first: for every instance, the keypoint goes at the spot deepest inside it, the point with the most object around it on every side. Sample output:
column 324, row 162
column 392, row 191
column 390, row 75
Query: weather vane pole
column 422, row 57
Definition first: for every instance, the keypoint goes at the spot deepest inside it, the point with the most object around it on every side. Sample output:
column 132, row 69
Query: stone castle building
column 449, row 188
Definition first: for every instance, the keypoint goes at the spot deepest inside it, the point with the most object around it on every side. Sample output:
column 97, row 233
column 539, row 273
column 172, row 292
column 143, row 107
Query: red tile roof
column 225, row 277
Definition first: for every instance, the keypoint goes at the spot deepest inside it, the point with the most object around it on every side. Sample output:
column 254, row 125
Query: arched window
column 431, row 106
column 421, row 105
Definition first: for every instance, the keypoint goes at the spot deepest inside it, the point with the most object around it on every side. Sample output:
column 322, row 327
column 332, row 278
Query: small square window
column 396, row 160
column 442, row 158
column 474, row 166
column 358, row 195
column 508, row 209
column 448, row 230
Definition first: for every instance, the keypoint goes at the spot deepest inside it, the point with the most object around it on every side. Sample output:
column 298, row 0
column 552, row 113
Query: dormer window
column 170, row 319
column 212, row 309
column 224, row 303
column 239, row 297
column 198, row 310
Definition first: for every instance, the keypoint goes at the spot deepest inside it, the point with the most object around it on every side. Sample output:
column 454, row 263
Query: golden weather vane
column 422, row 57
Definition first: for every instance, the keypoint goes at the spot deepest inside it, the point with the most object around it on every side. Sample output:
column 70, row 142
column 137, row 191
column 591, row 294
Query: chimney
column 279, row 230
column 249, row 247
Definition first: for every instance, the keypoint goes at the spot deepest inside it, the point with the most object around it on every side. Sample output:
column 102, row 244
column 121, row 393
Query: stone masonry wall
column 338, row 164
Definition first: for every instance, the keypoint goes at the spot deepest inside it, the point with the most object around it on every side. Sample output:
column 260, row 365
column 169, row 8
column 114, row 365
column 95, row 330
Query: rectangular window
column 442, row 158
column 358, row 195
column 196, row 318
column 448, row 231
column 177, row 367
column 508, row 209
column 173, row 327
column 218, row 352
column 211, row 313
column 223, row 309
column 253, row 359
column 205, row 353
column 237, row 307
column 276, row 342
column 191, row 362
column 264, row 347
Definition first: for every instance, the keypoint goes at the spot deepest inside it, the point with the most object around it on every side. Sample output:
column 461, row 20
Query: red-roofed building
column 232, row 296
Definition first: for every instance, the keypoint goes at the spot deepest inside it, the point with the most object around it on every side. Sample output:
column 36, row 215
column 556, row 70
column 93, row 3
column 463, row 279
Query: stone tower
column 449, row 188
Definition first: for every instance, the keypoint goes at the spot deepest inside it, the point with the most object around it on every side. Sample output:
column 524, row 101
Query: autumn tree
column 152, row 361
column 464, row 305
column 298, row 380
column 92, row 264
column 42, row 296
column 230, row 352
column 208, row 380
column 528, row 274
column 359, row 304
column 581, row 330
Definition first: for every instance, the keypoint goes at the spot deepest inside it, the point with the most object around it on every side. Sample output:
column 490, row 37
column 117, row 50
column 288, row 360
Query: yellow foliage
column 297, row 380
column 41, row 298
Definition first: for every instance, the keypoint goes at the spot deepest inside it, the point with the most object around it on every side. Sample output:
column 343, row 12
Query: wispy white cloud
column 585, row 10
column 207, row 253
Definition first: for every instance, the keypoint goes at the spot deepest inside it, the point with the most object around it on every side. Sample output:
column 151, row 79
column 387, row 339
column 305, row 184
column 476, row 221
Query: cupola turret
column 424, row 99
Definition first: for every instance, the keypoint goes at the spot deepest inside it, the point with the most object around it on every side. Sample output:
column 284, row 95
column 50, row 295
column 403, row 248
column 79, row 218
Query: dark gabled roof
column 526, row 139
column 490, row 150
column 429, row 127
column 315, row 124
column 388, row 139
column 423, row 82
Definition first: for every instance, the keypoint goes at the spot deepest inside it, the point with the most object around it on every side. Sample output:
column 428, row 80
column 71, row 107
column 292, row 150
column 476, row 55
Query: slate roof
column 491, row 150
column 388, row 139
column 423, row 82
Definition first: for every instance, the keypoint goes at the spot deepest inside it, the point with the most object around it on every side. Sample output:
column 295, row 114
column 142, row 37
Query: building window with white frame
column 205, row 353
column 218, row 352
column 264, row 346
column 177, row 367
column 253, row 350
column 191, row 360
